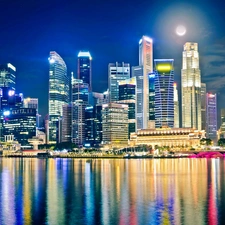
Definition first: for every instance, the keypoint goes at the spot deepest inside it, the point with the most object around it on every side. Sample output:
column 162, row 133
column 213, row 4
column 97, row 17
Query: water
column 114, row 191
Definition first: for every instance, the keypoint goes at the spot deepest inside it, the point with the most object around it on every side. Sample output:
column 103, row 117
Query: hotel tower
column 191, row 87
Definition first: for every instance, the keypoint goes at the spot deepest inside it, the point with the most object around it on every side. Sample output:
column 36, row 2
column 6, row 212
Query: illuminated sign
column 164, row 67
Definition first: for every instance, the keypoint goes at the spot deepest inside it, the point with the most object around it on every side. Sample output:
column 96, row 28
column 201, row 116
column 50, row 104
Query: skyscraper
column 164, row 99
column 116, row 73
column 191, row 87
column 176, row 107
column 58, row 93
column 84, row 68
column 203, row 105
column 8, row 76
column 141, row 73
column 151, row 101
column 222, row 126
column 211, row 117
column 67, row 123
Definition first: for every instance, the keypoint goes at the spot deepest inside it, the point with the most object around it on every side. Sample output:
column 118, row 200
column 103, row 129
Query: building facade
column 67, row 123
column 117, row 72
column 176, row 107
column 203, row 105
column 8, row 76
column 58, row 94
column 164, row 95
column 151, row 101
column 191, row 87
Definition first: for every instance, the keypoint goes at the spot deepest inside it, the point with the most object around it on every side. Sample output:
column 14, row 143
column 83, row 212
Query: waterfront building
column 191, row 87
column 117, row 72
column 141, row 72
column 84, row 68
column 67, row 123
column 151, row 101
column 211, row 117
column 21, row 123
column 127, row 95
column 8, row 76
column 203, row 105
column 58, row 94
column 164, row 99
column 115, row 125
column 222, row 126
column 174, row 138
column 176, row 107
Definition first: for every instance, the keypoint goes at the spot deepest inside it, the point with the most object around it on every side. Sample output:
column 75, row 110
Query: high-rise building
column 80, row 90
column 127, row 95
column 115, row 124
column 191, row 87
column 116, row 73
column 8, row 76
column 176, row 107
column 151, row 101
column 32, row 103
column 222, row 126
column 164, row 99
column 58, row 93
column 211, row 117
column 84, row 68
column 203, row 105
column 67, row 123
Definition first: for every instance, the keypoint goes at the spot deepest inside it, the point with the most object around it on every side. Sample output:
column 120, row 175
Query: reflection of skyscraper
column 203, row 105
column 84, row 67
column 164, row 103
column 211, row 117
column 58, row 93
column 191, row 87
column 176, row 107
column 8, row 76
column 117, row 72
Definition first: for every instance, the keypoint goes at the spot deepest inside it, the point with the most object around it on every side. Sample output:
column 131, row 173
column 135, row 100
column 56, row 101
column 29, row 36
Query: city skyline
column 29, row 52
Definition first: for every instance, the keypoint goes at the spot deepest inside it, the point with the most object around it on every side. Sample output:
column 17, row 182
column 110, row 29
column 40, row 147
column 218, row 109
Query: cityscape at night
column 112, row 112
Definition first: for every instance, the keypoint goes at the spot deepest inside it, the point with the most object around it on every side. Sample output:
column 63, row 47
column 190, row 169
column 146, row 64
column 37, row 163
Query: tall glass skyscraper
column 191, row 87
column 84, row 68
column 176, row 107
column 117, row 72
column 203, row 105
column 8, row 76
column 58, row 93
column 164, row 99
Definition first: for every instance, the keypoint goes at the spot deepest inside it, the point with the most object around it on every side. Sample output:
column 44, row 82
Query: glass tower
column 58, row 93
column 164, row 99
column 191, row 87
column 8, row 76
column 84, row 68
column 176, row 107
column 203, row 105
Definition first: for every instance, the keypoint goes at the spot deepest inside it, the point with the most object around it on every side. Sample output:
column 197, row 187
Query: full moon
column 180, row 30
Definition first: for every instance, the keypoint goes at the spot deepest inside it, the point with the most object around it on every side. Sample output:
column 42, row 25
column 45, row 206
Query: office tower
column 151, row 101
column 67, row 123
column 115, row 124
column 58, row 93
column 141, row 73
column 99, row 98
column 203, row 105
column 8, row 76
column 84, row 68
column 211, row 117
column 21, row 123
column 80, row 91
column 116, row 73
column 164, row 99
column 191, row 87
column 176, row 107
column 32, row 103
column 222, row 126
column 127, row 95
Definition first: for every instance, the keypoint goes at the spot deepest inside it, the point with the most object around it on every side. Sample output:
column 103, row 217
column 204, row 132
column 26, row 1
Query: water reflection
column 74, row 191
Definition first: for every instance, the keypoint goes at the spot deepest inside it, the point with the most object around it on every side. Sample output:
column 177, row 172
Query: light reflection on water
column 114, row 191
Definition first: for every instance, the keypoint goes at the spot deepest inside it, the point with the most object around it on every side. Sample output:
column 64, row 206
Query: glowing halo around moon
column 181, row 30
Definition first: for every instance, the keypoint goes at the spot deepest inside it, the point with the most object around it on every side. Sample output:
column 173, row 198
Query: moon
column 180, row 30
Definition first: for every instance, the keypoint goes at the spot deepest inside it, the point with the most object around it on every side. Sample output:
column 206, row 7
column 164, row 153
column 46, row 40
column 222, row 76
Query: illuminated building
column 127, row 95
column 116, row 73
column 172, row 137
column 99, row 98
column 151, row 100
column 58, row 94
column 80, row 91
column 8, row 76
column 21, row 123
column 164, row 99
column 84, row 71
column 141, row 73
column 203, row 105
column 32, row 103
column 176, row 107
column 222, row 126
column 191, row 87
column 115, row 124
column 211, row 117
column 67, row 123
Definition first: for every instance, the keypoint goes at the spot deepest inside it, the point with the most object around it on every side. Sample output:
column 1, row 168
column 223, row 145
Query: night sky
column 110, row 30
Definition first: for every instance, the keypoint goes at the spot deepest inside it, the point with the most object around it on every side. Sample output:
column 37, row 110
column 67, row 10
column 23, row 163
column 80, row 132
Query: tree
column 221, row 142
column 206, row 141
